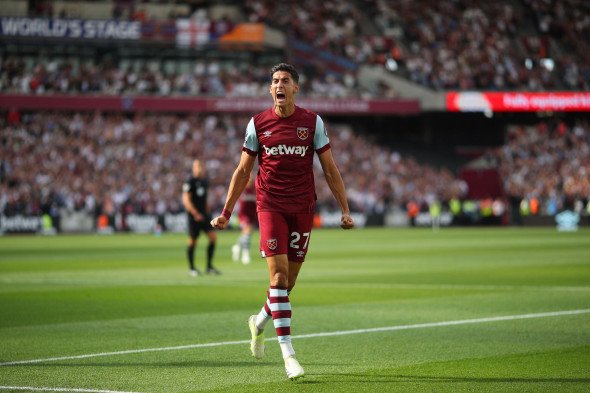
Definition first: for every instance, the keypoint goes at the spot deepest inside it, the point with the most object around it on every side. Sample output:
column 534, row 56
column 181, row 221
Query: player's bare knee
column 279, row 279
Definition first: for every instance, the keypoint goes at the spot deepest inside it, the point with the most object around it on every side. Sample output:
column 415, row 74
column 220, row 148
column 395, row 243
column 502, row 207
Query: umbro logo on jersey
column 267, row 134
column 284, row 149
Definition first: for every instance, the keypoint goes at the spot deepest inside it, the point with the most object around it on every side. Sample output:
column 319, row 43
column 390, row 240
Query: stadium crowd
column 462, row 44
column 107, row 162
column 49, row 75
column 569, row 23
column 110, row 162
column 548, row 162
column 465, row 45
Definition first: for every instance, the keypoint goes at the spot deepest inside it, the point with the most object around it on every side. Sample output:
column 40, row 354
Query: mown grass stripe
column 313, row 335
column 30, row 388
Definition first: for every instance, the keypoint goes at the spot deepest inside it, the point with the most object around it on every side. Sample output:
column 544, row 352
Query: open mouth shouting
column 281, row 97
column 283, row 89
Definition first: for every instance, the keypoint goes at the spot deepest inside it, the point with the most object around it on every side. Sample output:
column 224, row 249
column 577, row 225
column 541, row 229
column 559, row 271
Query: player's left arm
column 334, row 180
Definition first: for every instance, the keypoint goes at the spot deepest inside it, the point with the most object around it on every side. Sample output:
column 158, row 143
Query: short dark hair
column 285, row 67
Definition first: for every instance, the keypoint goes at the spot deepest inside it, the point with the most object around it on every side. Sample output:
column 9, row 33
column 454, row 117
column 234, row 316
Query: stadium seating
column 520, row 45
column 88, row 161
column 134, row 162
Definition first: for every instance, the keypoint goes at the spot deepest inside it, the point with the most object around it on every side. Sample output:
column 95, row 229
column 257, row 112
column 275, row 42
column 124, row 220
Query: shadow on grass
column 179, row 364
column 372, row 378
column 423, row 378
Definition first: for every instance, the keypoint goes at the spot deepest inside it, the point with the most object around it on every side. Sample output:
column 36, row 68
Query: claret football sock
column 280, row 308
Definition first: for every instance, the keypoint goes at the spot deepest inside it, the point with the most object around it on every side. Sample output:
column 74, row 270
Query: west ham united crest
column 302, row 133
column 271, row 243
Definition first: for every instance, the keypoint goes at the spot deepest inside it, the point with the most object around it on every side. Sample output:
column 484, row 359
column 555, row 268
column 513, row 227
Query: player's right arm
column 237, row 185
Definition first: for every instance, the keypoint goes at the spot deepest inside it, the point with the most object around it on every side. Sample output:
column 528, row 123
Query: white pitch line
column 61, row 389
column 313, row 335
column 93, row 355
column 447, row 323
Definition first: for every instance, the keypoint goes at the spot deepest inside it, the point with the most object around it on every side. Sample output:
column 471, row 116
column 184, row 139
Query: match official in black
column 194, row 199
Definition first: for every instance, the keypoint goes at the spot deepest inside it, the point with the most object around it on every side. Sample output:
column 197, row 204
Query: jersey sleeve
column 320, row 139
column 251, row 141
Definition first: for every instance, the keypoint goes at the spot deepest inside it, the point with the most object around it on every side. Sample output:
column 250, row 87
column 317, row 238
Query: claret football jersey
column 285, row 149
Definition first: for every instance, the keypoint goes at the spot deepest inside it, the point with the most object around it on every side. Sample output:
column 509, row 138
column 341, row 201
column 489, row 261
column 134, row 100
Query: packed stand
column 329, row 25
column 548, row 162
column 568, row 22
column 333, row 26
column 90, row 161
column 108, row 163
column 28, row 75
column 468, row 44
column 393, row 180
column 143, row 77
column 463, row 44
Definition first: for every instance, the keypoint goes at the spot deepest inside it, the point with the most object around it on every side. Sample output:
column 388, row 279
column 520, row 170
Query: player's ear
column 296, row 88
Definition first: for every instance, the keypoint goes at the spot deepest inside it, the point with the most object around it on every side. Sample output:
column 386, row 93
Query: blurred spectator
column 549, row 162
column 21, row 74
column 95, row 161
column 88, row 161
column 446, row 44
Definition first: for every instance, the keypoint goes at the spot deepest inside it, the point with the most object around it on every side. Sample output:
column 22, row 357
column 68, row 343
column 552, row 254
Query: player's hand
column 219, row 222
column 346, row 222
column 198, row 216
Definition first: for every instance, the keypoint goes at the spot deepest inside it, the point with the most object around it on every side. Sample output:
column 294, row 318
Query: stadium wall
column 80, row 222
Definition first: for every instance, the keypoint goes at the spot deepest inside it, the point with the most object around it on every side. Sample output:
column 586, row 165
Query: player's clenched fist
column 219, row 222
column 346, row 222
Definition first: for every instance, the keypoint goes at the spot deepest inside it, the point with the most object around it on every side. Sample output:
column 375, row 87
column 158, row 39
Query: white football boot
column 293, row 368
column 235, row 252
column 257, row 343
column 245, row 256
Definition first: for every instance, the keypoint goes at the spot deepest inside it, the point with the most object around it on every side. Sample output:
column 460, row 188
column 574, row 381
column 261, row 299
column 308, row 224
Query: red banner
column 518, row 102
column 192, row 104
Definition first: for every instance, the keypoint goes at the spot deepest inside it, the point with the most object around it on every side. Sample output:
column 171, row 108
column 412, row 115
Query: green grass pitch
column 375, row 310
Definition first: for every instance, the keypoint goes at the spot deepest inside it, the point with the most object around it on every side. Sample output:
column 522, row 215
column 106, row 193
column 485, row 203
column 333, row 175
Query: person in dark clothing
column 194, row 199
